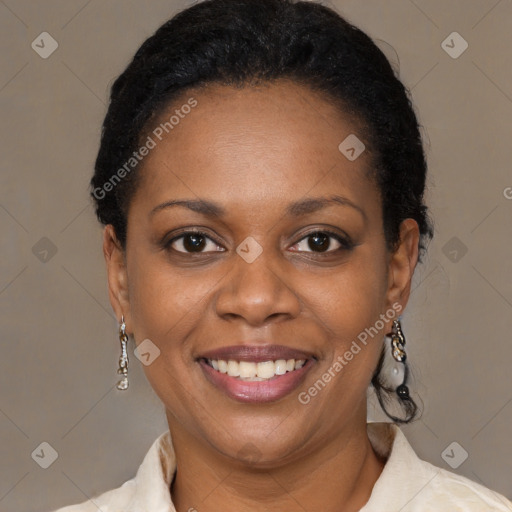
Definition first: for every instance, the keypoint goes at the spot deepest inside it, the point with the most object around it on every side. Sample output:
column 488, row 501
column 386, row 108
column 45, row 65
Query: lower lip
column 258, row 391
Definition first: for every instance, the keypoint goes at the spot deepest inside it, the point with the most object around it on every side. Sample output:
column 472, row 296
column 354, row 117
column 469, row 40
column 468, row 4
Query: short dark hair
column 246, row 42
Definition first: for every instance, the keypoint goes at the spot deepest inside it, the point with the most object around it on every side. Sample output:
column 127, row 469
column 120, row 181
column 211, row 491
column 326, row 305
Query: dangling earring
column 399, row 355
column 123, row 359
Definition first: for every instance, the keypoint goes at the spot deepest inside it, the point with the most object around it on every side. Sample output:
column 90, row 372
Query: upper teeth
column 247, row 370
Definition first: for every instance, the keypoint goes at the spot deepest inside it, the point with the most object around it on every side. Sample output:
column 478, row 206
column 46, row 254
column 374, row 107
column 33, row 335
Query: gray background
column 59, row 345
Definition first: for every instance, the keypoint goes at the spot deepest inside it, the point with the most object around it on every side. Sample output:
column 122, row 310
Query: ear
column 116, row 273
column 402, row 263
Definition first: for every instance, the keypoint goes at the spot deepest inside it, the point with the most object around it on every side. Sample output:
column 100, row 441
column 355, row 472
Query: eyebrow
column 295, row 209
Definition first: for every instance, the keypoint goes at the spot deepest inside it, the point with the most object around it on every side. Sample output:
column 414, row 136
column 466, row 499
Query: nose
column 258, row 292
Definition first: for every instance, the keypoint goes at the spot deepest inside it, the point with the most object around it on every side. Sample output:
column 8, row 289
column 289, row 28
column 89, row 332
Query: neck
column 337, row 476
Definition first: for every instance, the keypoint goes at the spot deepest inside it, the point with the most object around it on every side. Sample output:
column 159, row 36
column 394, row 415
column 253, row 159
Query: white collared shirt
column 407, row 483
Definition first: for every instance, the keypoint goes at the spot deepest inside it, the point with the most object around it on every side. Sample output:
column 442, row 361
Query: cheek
column 167, row 305
column 164, row 301
column 352, row 298
column 349, row 310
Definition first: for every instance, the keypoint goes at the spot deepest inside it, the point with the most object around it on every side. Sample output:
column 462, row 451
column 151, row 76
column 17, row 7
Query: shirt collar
column 404, row 475
column 154, row 476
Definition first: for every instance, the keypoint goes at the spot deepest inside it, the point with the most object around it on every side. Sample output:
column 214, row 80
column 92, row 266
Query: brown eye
column 321, row 242
column 193, row 241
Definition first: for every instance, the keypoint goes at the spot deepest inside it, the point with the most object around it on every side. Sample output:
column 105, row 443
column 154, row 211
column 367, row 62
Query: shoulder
column 109, row 501
column 148, row 489
column 458, row 493
column 410, row 484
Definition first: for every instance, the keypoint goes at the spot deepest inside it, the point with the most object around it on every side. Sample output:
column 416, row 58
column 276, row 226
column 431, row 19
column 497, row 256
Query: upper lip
column 255, row 353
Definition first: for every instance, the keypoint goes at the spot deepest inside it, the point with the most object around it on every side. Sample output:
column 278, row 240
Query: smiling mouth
column 249, row 371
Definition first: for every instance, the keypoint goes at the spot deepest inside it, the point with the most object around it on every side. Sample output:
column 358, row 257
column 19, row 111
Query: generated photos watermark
column 152, row 141
column 341, row 361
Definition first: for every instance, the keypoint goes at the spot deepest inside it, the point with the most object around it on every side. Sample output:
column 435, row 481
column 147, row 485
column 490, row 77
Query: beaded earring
column 123, row 359
column 399, row 355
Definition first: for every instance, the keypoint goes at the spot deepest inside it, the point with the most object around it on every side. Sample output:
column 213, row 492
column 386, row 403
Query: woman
column 261, row 178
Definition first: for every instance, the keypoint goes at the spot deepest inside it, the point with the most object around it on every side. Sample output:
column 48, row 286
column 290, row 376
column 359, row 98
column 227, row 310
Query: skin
column 254, row 151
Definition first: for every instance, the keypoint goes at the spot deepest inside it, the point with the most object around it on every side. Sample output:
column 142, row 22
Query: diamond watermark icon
column 507, row 192
column 44, row 250
column 454, row 455
column 454, row 249
column 351, row 147
column 454, row 45
column 249, row 249
column 146, row 352
column 44, row 45
column 45, row 455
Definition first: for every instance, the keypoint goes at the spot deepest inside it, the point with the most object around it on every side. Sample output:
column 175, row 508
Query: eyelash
column 345, row 243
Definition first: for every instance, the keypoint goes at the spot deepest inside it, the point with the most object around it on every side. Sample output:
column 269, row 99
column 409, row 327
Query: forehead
column 251, row 145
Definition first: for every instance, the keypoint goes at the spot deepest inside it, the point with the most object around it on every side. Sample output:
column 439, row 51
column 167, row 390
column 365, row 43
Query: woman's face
column 291, row 264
